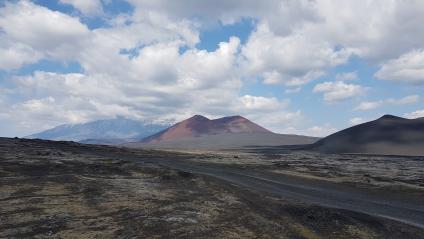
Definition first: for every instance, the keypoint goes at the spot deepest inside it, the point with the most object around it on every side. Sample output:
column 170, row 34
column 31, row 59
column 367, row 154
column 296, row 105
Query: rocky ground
column 69, row 190
column 394, row 173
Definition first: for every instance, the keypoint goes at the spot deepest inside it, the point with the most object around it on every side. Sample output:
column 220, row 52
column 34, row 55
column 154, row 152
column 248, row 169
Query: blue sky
column 292, row 66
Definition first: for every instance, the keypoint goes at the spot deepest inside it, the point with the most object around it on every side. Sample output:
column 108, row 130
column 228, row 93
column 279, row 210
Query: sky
column 307, row 67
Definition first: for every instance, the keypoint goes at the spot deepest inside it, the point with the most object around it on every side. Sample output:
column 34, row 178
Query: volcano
column 198, row 126
column 388, row 135
column 233, row 132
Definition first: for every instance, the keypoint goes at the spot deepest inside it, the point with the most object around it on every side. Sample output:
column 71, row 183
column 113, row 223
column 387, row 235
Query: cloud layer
column 371, row 105
column 145, row 63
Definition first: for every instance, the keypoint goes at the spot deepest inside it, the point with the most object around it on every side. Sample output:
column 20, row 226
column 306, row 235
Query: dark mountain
column 106, row 131
column 199, row 132
column 388, row 135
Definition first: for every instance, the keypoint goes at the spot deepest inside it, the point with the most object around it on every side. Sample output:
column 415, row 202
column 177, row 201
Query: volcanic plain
column 68, row 190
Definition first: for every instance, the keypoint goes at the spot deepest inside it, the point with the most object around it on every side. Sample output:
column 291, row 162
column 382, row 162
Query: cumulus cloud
column 321, row 34
column 374, row 27
column 356, row 121
column 415, row 114
column 193, row 82
column 289, row 14
column 30, row 32
column 410, row 99
column 145, row 64
column 153, row 85
column 407, row 68
column 259, row 103
column 268, row 111
column 321, row 130
column 42, row 113
column 371, row 105
column 347, row 76
column 14, row 55
column 338, row 91
column 290, row 60
column 293, row 90
column 281, row 121
column 87, row 7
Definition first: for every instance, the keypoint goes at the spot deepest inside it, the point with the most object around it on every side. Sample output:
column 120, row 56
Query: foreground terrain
column 68, row 190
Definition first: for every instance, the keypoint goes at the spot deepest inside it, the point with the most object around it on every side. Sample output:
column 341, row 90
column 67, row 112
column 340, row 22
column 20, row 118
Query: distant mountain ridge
column 388, row 135
column 110, row 131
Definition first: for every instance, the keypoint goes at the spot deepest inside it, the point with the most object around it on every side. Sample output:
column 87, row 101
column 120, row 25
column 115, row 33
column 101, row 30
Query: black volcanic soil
column 68, row 190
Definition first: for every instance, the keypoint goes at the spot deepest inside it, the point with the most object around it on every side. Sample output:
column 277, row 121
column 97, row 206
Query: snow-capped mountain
column 108, row 130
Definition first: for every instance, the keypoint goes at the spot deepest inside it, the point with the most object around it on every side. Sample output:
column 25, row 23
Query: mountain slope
column 112, row 130
column 388, row 135
column 201, row 133
column 228, row 141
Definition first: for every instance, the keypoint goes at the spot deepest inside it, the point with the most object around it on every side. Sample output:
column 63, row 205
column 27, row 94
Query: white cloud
column 259, row 103
column 136, row 66
column 158, row 79
column 14, row 55
column 407, row 100
column 373, row 29
column 309, row 37
column 356, row 121
column 40, row 27
column 290, row 13
column 159, row 84
column 320, row 39
column 293, row 90
column 291, row 60
column 315, row 131
column 30, row 32
column 415, row 114
column 320, row 131
column 407, row 68
column 42, row 113
column 338, row 91
column 268, row 112
column 87, row 7
column 347, row 76
column 271, row 52
column 371, row 105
